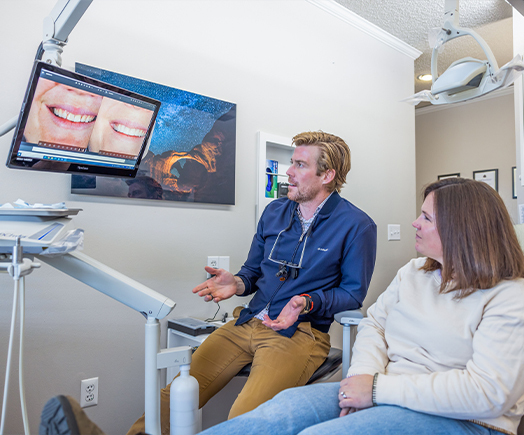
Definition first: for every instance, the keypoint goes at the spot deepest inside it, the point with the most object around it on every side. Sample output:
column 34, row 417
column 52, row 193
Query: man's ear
column 329, row 176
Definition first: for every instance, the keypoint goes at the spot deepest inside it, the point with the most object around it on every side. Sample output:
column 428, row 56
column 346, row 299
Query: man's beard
column 301, row 196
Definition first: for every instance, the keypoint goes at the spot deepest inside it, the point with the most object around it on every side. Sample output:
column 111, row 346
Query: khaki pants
column 278, row 363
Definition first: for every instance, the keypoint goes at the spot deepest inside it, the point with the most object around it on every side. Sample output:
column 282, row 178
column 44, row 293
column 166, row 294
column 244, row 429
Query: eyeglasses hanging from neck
column 283, row 271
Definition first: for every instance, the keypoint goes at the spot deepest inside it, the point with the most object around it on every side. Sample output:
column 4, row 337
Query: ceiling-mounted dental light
column 463, row 75
column 466, row 78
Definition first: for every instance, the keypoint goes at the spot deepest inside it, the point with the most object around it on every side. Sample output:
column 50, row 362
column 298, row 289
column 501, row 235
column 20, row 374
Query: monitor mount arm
column 57, row 26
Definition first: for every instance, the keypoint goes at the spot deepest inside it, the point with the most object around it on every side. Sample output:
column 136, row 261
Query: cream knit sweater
column 461, row 359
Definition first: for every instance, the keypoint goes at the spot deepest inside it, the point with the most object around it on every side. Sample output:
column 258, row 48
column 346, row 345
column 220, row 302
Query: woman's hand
column 355, row 393
column 347, row 411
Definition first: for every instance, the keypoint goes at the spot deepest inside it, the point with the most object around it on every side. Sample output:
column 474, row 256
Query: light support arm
column 451, row 13
column 152, row 377
column 451, row 32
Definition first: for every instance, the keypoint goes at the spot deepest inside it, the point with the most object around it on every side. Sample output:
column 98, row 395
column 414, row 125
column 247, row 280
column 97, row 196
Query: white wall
column 290, row 67
column 474, row 136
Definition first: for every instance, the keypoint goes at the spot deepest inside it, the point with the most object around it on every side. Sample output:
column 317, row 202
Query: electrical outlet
column 212, row 262
column 218, row 263
column 89, row 392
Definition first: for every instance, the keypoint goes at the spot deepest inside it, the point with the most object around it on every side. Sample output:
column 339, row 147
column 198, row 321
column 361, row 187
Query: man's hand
column 355, row 393
column 288, row 315
column 221, row 286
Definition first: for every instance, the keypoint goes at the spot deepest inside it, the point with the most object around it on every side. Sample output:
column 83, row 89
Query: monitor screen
column 76, row 124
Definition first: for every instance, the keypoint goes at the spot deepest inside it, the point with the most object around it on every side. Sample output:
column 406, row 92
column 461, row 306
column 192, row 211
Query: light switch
column 393, row 232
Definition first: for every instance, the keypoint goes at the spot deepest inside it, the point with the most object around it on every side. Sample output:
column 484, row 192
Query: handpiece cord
column 9, row 353
column 23, row 404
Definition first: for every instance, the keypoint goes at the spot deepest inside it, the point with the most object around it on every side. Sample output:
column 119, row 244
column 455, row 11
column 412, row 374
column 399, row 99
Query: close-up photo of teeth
column 64, row 114
column 136, row 132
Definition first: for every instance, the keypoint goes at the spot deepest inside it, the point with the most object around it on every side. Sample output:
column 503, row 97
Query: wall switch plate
column 393, row 232
column 89, row 392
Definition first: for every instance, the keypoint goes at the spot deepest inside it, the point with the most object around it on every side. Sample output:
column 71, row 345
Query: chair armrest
column 350, row 317
column 349, row 320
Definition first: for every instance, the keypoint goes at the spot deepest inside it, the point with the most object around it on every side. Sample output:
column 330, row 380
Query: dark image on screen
column 191, row 156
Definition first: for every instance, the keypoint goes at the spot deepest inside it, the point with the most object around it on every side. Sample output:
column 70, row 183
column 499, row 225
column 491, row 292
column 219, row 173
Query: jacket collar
column 331, row 204
column 324, row 212
column 327, row 208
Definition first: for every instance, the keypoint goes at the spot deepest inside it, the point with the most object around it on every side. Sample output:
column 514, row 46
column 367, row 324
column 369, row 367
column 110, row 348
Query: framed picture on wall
column 191, row 156
column 514, row 181
column 441, row 177
column 488, row 176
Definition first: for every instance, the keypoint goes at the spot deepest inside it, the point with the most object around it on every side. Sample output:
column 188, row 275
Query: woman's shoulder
column 506, row 288
column 506, row 299
column 412, row 270
column 414, row 265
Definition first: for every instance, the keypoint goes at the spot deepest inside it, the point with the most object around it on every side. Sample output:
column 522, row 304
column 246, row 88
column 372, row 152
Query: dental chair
column 217, row 409
column 336, row 357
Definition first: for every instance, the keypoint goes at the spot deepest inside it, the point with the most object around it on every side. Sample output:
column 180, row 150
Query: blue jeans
column 314, row 410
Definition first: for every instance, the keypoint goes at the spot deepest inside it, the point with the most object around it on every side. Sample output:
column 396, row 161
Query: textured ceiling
column 410, row 21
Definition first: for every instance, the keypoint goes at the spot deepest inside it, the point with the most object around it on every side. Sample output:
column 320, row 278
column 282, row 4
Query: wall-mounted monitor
column 76, row 124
